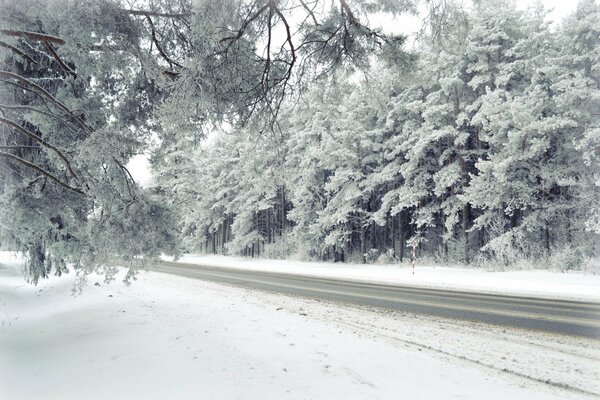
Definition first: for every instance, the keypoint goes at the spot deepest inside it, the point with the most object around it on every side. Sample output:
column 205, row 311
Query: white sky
column 410, row 24
column 139, row 165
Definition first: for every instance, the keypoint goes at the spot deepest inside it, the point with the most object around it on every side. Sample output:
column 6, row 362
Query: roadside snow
column 536, row 283
column 174, row 337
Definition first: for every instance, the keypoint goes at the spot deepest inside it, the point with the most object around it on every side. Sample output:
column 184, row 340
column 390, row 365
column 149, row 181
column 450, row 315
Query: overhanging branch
column 159, row 47
column 145, row 13
column 53, row 100
column 41, row 141
column 19, row 160
column 60, row 62
column 33, row 35
column 18, row 52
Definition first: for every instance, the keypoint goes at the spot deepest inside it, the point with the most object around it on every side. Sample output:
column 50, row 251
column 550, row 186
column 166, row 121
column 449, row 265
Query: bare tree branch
column 265, row 78
column 289, row 41
column 247, row 22
column 347, row 11
column 310, row 12
column 9, row 147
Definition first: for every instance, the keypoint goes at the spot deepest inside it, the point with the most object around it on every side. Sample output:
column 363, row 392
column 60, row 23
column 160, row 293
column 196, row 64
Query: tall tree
column 85, row 84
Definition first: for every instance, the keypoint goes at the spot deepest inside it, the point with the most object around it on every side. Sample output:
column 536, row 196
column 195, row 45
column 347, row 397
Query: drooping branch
column 377, row 37
column 18, row 52
column 145, row 13
column 247, row 22
column 42, row 171
column 19, row 107
column 33, row 36
column 310, row 12
column 27, row 83
column 268, row 51
column 159, row 47
column 41, row 141
column 11, row 147
column 127, row 175
column 289, row 41
column 60, row 62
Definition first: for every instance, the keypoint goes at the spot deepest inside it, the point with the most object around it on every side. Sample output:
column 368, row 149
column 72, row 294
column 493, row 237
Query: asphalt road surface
column 557, row 316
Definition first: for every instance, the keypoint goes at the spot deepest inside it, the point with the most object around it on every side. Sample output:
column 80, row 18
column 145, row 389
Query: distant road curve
column 557, row 316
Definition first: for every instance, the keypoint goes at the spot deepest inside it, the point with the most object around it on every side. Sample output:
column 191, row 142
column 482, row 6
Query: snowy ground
column 173, row 337
column 571, row 285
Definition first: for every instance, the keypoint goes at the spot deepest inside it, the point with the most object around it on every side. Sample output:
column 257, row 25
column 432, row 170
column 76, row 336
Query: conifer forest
column 299, row 128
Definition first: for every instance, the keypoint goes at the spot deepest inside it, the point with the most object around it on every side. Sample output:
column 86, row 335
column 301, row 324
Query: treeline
column 483, row 146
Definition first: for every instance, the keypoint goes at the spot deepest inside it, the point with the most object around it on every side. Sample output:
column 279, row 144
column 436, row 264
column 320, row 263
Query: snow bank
column 537, row 283
column 173, row 337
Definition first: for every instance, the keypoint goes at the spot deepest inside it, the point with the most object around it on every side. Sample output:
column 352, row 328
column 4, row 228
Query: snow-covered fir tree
column 483, row 147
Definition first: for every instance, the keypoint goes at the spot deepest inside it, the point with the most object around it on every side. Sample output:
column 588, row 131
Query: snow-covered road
column 571, row 285
column 173, row 337
column 548, row 315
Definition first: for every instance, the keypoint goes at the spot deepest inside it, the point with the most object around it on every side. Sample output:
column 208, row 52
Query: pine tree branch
column 33, row 36
column 60, row 62
column 377, row 37
column 246, row 23
column 41, row 141
column 310, row 12
column 146, row 13
column 45, row 93
column 19, row 107
column 42, row 171
column 18, row 52
column 159, row 47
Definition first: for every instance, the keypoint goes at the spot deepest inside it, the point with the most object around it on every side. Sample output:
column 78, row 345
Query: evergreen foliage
column 85, row 85
column 329, row 139
column 484, row 149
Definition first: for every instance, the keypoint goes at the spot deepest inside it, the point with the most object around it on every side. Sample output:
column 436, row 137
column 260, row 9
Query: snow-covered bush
column 566, row 259
column 389, row 257
column 372, row 256
column 282, row 248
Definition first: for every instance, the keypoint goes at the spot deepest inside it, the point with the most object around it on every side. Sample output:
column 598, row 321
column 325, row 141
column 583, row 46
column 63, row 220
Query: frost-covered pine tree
column 481, row 146
column 86, row 85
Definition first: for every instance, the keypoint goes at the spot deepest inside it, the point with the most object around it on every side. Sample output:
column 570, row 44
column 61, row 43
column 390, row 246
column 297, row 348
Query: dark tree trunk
column 547, row 238
column 401, row 234
column 393, row 234
column 466, row 216
column 363, row 244
column 224, row 236
column 283, row 213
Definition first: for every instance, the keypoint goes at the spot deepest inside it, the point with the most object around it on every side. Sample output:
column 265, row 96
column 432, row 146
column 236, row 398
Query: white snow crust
column 169, row 337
